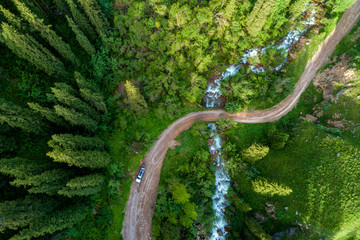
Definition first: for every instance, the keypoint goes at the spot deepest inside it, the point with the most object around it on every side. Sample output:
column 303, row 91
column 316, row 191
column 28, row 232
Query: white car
column 140, row 175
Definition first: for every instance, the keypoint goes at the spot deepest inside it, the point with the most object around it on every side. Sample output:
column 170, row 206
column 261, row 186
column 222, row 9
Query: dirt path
column 142, row 199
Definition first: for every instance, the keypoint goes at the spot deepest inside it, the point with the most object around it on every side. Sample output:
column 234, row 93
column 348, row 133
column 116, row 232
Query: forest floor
column 142, row 199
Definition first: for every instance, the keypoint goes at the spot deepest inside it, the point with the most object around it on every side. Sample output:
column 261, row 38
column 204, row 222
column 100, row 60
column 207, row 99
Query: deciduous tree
column 258, row 16
column 135, row 99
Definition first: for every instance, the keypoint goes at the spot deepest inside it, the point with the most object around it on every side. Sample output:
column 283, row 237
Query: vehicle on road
column 140, row 175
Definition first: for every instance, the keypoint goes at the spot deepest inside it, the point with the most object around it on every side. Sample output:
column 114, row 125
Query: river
column 212, row 96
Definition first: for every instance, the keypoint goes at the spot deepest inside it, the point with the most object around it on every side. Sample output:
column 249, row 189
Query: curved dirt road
column 142, row 199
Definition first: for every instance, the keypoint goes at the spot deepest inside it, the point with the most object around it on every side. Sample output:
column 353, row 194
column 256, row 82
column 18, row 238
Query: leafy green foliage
column 181, row 201
column 179, row 193
column 135, row 100
column 258, row 16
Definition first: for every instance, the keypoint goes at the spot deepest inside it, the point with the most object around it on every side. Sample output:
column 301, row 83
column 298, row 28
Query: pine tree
column 21, row 212
column 90, row 159
column 65, row 94
column 75, row 142
column 256, row 229
column 17, row 116
column 95, row 16
column 135, row 99
column 11, row 18
column 254, row 153
column 90, row 93
column 21, row 168
column 258, row 16
column 81, row 20
column 48, row 182
column 264, row 187
column 54, row 221
column 81, row 38
column 48, row 113
column 83, row 186
column 76, row 118
column 62, row 7
column 28, row 48
column 46, row 32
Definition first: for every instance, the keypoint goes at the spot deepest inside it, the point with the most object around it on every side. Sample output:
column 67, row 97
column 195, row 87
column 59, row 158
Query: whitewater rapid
column 212, row 96
column 222, row 184
column 213, row 93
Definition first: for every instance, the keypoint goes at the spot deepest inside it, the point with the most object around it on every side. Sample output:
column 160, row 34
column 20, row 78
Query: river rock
column 220, row 232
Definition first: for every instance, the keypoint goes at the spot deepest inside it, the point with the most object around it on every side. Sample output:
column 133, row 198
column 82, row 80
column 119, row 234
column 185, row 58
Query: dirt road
column 142, row 199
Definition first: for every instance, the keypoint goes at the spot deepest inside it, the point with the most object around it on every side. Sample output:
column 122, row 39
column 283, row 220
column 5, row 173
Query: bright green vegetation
column 311, row 179
column 173, row 48
column 185, row 189
column 86, row 89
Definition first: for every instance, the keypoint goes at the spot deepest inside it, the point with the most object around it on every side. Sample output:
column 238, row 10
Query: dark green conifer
column 83, row 186
column 90, row 93
column 93, row 11
column 76, row 118
column 66, row 94
column 90, row 159
column 81, row 38
column 81, row 20
column 21, row 168
column 48, row 182
column 46, row 32
column 28, row 48
column 48, row 113
column 21, row 212
column 76, row 142
column 10, row 17
column 54, row 221
column 17, row 116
